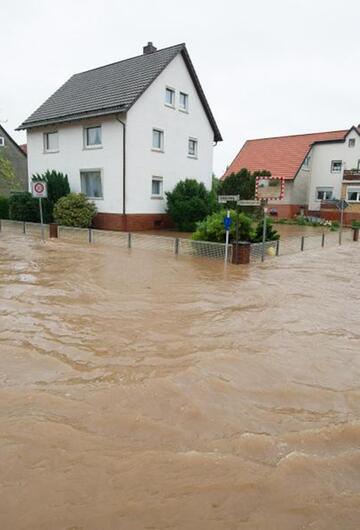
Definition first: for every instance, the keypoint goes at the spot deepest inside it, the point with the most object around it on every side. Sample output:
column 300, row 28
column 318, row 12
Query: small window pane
column 2, row 141
column 93, row 136
column 351, row 142
column 170, row 97
column 184, row 99
column 157, row 139
column 192, row 147
column 353, row 194
column 156, row 186
column 51, row 141
column 91, row 184
column 336, row 166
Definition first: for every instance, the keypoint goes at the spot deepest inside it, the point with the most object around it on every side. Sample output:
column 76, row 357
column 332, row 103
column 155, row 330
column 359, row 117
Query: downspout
column 124, row 166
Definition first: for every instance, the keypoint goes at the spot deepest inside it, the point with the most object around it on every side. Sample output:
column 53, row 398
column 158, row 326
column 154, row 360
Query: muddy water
column 138, row 391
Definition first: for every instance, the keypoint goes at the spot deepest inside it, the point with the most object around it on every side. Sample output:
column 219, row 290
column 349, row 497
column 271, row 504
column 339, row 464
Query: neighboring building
column 126, row 133
column 313, row 165
column 18, row 160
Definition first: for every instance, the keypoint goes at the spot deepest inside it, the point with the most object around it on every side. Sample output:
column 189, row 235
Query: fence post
column 278, row 247
column 90, row 235
column 323, row 239
column 129, row 240
column 0, row 226
column 356, row 234
column 24, row 227
column 53, row 230
column 302, row 243
column 176, row 245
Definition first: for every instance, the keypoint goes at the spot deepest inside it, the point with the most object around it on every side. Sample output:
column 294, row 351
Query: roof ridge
column 294, row 135
column 182, row 44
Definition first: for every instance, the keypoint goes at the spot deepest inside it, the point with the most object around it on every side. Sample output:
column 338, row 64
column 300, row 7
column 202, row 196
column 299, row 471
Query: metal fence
column 171, row 245
column 181, row 246
column 295, row 244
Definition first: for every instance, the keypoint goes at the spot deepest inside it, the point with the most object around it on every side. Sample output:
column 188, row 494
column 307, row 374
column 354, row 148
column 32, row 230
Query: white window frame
column 162, row 136
column 353, row 189
column 336, row 162
column 195, row 155
column 324, row 189
column 2, row 141
column 45, row 142
column 351, row 142
column 85, row 134
column 306, row 163
column 172, row 90
column 157, row 195
column 186, row 108
column 93, row 170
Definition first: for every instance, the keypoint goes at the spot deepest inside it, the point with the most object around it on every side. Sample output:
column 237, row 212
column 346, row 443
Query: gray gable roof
column 112, row 88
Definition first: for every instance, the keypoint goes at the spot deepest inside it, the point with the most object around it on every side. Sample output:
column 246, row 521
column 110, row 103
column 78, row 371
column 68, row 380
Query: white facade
column 169, row 165
column 323, row 167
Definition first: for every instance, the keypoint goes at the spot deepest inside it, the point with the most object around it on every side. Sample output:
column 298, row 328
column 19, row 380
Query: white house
column 126, row 133
column 315, row 167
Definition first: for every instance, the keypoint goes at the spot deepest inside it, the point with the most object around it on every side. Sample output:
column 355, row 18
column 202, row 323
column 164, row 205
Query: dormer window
column 351, row 142
column 170, row 97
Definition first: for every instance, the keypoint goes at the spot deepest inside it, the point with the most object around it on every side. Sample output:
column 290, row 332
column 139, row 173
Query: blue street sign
column 227, row 223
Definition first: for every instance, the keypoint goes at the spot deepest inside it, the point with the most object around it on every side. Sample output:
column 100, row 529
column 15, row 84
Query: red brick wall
column 284, row 210
column 131, row 222
column 334, row 215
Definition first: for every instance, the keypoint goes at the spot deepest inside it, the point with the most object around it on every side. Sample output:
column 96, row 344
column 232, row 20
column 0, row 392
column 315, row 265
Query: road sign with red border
column 270, row 188
column 39, row 190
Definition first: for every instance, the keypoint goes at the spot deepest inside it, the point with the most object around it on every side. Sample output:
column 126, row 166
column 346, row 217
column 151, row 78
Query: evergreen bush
column 23, row 207
column 74, row 210
column 4, row 208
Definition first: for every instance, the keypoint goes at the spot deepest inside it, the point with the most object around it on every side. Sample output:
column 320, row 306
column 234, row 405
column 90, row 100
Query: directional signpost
column 39, row 191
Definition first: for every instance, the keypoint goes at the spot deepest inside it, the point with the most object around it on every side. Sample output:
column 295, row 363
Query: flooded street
column 140, row 391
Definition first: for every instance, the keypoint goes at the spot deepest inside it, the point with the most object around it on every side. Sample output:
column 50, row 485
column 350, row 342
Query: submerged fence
column 172, row 245
column 181, row 246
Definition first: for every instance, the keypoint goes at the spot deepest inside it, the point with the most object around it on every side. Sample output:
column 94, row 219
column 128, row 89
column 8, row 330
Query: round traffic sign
column 39, row 187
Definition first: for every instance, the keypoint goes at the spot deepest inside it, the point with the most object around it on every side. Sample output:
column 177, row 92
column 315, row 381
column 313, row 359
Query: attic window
column 2, row 141
column 51, row 142
column 93, row 136
column 170, row 97
column 351, row 142
column 336, row 166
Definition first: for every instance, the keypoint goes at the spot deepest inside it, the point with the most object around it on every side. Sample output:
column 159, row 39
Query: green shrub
column 74, row 210
column 188, row 203
column 355, row 224
column 212, row 228
column 271, row 234
column 23, row 207
column 57, row 187
column 4, row 208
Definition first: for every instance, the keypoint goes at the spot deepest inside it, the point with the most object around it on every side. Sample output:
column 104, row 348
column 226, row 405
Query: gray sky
column 268, row 67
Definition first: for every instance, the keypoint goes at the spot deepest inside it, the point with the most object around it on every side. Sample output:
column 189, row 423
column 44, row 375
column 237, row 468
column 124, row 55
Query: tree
column 241, row 183
column 74, row 210
column 8, row 178
column 188, row 203
column 271, row 234
column 57, row 187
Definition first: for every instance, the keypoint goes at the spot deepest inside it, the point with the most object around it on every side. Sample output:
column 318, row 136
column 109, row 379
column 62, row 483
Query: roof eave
column 71, row 118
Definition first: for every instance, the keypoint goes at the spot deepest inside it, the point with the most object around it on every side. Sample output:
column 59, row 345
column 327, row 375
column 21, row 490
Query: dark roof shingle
column 111, row 88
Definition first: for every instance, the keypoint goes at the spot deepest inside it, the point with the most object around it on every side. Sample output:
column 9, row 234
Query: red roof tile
column 281, row 155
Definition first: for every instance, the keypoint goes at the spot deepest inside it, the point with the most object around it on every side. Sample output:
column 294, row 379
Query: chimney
column 150, row 48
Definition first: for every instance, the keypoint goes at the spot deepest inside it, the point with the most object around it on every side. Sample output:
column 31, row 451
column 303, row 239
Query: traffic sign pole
column 341, row 223
column 41, row 220
column 227, row 233
column 264, row 233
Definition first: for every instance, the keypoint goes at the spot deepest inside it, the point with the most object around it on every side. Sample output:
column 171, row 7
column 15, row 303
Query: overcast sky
column 268, row 67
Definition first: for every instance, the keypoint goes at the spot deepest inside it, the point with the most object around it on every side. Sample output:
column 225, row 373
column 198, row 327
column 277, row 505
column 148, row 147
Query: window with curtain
column 184, row 101
column 51, row 141
column 91, row 184
column 192, row 147
column 93, row 136
column 158, row 140
column 157, row 187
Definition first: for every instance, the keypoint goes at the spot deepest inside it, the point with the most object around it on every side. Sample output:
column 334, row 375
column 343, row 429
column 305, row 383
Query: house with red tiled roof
column 312, row 166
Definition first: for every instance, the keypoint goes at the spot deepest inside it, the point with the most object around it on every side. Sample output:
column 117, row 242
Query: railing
column 171, row 245
column 181, row 246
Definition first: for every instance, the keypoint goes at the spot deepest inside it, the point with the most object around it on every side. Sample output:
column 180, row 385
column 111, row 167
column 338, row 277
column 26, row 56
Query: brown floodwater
column 140, row 391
